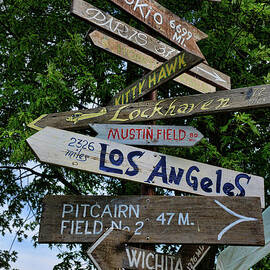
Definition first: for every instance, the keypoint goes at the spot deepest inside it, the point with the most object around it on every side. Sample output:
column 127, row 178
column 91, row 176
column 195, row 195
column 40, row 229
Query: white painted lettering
column 106, row 210
column 136, row 211
column 158, row 18
column 78, row 226
column 182, row 220
column 84, row 208
column 91, row 210
column 133, row 259
column 140, row 6
column 115, row 226
column 147, row 260
column 72, row 227
column 157, row 265
column 122, row 209
column 63, row 226
column 96, row 223
column 178, row 265
column 65, row 211
column 98, row 12
column 86, row 232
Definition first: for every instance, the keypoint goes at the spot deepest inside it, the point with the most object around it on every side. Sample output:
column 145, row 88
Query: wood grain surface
column 110, row 251
column 153, row 219
column 148, row 134
column 156, row 78
column 223, row 101
column 162, row 20
column 77, row 151
column 144, row 60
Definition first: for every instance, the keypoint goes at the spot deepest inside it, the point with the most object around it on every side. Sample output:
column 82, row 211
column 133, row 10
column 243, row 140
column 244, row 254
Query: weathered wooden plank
column 192, row 255
column 76, row 151
column 222, row 101
column 157, row 77
column 140, row 40
column 212, row 76
column 153, row 219
column 163, row 51
column 148, row 134
column 242, row 258
column 111, row 252
column 119, row 29
column 144, row 60
column 165, row 23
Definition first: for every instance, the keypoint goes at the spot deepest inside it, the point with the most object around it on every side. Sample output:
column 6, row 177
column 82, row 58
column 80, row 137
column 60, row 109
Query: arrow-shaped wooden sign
column 111, row 252
column 144, row 60
column 165, row 23
column 154, row 79
column 148, row 134
column 192, row 255
column 102, row 20
column 77, row 151
column 242, row 258
column 222, row 101
column 153, row 219
column 140, row 40
column 161, row 50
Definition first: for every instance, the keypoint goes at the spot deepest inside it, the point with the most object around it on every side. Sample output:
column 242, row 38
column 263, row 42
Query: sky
column 41, row 258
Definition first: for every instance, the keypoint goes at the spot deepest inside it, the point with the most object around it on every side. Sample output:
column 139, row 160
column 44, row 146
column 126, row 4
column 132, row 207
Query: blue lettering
column 237, row 179
column 206, row 183
column 227, row 188
column 130, row 157
column 173, row 178
column 219, row 175
column 193, row 184
column 119, row 161
column 161, row 164
column 102, row 161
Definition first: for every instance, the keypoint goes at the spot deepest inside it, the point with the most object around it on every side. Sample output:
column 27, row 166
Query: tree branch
column 49, row 177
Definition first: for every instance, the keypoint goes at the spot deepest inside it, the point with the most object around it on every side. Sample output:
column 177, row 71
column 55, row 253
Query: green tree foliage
column 48, row 66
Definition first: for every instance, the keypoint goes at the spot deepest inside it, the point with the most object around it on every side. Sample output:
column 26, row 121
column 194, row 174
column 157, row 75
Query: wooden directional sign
column 153, row 219
column 163, row 51
column 144, row 60
column 222, row 101
column 139, row 39
column 148, row 135
column 242, row 258
column 117, row 28
column 154, row 79
column 164, row 22
column 113, row 243
column 192, row 255
column 91, row 154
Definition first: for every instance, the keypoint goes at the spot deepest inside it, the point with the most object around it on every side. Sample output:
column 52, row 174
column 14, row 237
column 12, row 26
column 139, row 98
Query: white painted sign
column 148, row 134
column 91, row 154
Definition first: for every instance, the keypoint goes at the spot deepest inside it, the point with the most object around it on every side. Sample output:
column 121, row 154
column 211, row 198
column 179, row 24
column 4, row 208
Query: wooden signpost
column 119, row 29
column 148, row 135
column 165, row 52
column 192, row 255
column 141, row 40
column 165, row 23
column 154, row 79
column 153, row 219
column 91, row 154
column 111, row 252
column 144, row 60
column 222, row 101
